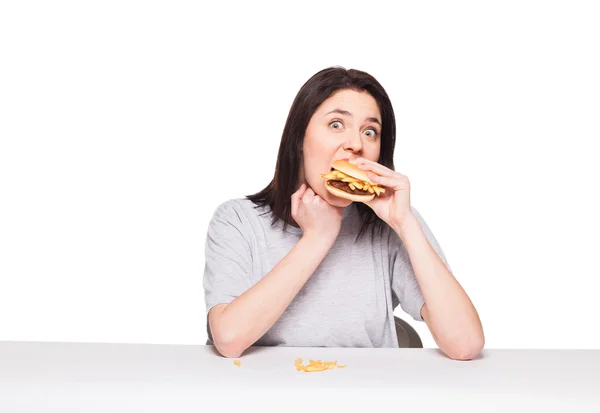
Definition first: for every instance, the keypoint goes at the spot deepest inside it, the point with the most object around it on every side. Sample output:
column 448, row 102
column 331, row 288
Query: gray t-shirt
column 349, row 300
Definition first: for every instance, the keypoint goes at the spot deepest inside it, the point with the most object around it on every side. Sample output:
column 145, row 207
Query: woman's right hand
column 315, row 216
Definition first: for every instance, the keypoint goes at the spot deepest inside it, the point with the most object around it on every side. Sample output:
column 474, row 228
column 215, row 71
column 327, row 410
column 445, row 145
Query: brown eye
column 373, row 133
column 336, row 122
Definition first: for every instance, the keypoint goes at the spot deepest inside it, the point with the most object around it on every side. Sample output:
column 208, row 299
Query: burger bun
column 352, row 197
column 352, row 170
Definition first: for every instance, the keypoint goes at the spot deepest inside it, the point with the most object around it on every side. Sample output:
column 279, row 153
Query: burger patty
column 344, row 186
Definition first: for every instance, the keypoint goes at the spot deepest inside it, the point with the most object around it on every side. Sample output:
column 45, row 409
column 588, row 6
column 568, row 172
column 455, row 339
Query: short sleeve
column 405, row 288
column 228, row 257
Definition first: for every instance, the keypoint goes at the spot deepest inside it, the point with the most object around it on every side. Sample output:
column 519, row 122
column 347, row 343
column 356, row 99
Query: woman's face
column 346, row 125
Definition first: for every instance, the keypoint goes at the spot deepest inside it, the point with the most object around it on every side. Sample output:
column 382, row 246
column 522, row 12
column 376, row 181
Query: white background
column 121, row 122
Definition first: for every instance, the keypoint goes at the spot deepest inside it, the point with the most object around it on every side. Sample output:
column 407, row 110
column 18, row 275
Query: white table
column 88, row 377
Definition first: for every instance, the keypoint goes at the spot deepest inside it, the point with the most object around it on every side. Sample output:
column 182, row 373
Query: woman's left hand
column 393, row 206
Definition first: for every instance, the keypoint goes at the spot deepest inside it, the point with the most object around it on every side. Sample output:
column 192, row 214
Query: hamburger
column 347, row 181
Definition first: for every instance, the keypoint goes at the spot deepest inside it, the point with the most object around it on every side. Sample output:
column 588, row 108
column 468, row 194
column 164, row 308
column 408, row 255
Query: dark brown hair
column 277, row 194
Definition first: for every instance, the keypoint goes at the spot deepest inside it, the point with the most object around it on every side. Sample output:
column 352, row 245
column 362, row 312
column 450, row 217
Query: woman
column 294, row 265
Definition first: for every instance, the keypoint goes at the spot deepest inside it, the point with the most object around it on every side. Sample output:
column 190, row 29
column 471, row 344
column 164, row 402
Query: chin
column 338, row 202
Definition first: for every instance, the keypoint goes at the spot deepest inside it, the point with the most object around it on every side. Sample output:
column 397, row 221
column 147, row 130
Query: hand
column 315, row 216
column 393, row 206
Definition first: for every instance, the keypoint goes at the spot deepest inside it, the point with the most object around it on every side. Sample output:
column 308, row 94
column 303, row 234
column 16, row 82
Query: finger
column 296, row 198
column 308, row 196
column 302, row 190
column 367, row 165
column 396, row 182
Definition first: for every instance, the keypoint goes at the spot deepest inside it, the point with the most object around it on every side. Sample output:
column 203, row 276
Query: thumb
column 371, row 202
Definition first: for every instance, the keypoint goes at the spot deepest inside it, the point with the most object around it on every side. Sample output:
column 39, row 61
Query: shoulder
column 416, row 213
column 431, row 237
column 424, row 226
column 233, row 206
column 230, row 223
column 236, row 211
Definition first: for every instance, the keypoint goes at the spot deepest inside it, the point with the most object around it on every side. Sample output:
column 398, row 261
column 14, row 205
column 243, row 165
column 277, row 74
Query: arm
column 448, row 311
column 239, row 324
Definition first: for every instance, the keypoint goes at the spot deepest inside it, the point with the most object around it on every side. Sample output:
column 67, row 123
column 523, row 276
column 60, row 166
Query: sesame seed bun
column 352, row 170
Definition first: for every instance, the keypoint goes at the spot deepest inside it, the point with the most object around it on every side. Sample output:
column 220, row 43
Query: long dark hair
column 322, row 85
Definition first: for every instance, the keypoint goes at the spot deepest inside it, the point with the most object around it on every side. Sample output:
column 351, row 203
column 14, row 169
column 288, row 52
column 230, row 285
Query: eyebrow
column 345, row 112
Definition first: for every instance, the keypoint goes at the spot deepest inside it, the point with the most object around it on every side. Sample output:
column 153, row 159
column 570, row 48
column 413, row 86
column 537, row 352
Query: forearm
column 451, row 316
column 247, row 318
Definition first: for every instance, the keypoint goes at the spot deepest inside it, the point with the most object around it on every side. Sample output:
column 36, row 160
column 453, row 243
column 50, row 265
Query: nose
column 353, row 144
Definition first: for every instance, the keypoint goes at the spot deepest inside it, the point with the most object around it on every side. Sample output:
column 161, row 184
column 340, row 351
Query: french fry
column 371, row 190
column 316, row 365
column 315, row 368
column 352, row 186
column 382, row 190
column 359, row 186
column 237, row 363
column 376, row 190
